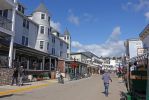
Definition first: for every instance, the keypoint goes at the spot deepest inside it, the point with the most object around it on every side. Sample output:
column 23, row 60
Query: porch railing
column 5, row 23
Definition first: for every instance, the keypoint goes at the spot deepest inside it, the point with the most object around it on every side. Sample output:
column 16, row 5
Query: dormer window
column 43, row 16
column 21, row 8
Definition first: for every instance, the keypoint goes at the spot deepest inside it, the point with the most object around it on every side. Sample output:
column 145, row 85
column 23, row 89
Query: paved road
column 84, row 89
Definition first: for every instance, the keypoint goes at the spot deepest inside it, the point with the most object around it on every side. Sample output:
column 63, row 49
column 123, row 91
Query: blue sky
column 99, row 26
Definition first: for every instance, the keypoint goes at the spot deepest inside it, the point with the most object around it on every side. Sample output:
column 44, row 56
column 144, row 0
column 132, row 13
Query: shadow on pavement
column 9, row 95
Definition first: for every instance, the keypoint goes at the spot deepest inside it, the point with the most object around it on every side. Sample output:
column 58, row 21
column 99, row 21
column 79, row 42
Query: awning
column 28, row 50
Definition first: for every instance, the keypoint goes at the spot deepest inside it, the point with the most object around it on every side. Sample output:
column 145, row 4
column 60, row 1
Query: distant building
column 133, row 47
column 93, row 62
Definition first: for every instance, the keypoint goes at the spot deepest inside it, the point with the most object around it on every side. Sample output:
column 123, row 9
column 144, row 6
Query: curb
column 23, row 89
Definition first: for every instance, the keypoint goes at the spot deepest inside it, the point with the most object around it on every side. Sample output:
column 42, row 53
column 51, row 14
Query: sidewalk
column 9, row 90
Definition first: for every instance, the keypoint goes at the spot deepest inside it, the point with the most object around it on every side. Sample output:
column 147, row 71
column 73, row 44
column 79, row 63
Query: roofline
column 79, row 53
column 19, row 13
column 59, row 38
column 84, row 54
column 147, row 26
column 133, row 39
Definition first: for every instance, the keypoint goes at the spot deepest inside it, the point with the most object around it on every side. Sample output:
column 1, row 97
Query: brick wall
column 5, row 76
column 61, row 66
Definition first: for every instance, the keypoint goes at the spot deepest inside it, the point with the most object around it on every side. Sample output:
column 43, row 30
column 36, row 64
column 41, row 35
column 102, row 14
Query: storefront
column 75, row 69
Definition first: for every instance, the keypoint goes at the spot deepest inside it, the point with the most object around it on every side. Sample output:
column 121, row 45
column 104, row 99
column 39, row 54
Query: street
column 84, row 89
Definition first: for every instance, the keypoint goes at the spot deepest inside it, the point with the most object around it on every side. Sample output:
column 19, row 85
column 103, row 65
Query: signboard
column 140, row 51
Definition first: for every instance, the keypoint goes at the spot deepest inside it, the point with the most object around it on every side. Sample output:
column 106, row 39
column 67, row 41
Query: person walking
column 58, row 76
column 21, row 75
column 61, row 79
column 106, row 78
column 15, row 76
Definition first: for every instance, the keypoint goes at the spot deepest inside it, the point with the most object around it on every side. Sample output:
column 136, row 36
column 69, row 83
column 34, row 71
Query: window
column 23, row 40
column 42, row 16
column 26, row 23
column 1, row 12
column 53, row 39
column 47, row 45
column 5, row 13
column 48, row 31
column 26, row 42
column 61, row 43
column 21, row 8
column 67, row 46
column 67, row 37
column 42, row 29
column 61, row 53
column 41, row 44
column 49, row 19
column 53, row 51
column 67, row 55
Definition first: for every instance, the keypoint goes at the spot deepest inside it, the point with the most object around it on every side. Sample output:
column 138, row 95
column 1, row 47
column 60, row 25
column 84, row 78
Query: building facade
column 28, row 40
column 93, row 62
column 133, row 47
column 144, row 36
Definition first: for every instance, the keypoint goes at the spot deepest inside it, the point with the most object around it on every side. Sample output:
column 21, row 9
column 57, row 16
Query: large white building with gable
column 30, row 40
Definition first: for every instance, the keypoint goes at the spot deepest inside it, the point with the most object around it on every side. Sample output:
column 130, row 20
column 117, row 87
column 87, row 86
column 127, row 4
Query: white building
column 133, row 47
column 7, row 31
column 29, row 40
column 93, row 62
column 144, row 36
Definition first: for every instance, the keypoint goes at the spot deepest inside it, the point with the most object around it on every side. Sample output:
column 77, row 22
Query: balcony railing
column 5, row 23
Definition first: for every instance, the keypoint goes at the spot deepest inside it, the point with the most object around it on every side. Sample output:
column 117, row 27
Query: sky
column 98, row 26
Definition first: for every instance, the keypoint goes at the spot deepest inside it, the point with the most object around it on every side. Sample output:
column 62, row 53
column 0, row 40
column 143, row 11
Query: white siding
column 30, row 33
column 146, row 42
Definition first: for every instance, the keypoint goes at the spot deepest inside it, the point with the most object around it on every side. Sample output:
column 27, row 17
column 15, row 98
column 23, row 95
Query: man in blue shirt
column 106, row 77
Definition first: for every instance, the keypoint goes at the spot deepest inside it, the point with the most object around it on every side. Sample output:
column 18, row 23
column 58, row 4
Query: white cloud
column 137, row 5
column 110, row 48
column 55, row 25
column 73, row 18
column 115, row 35
column 147, row 15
